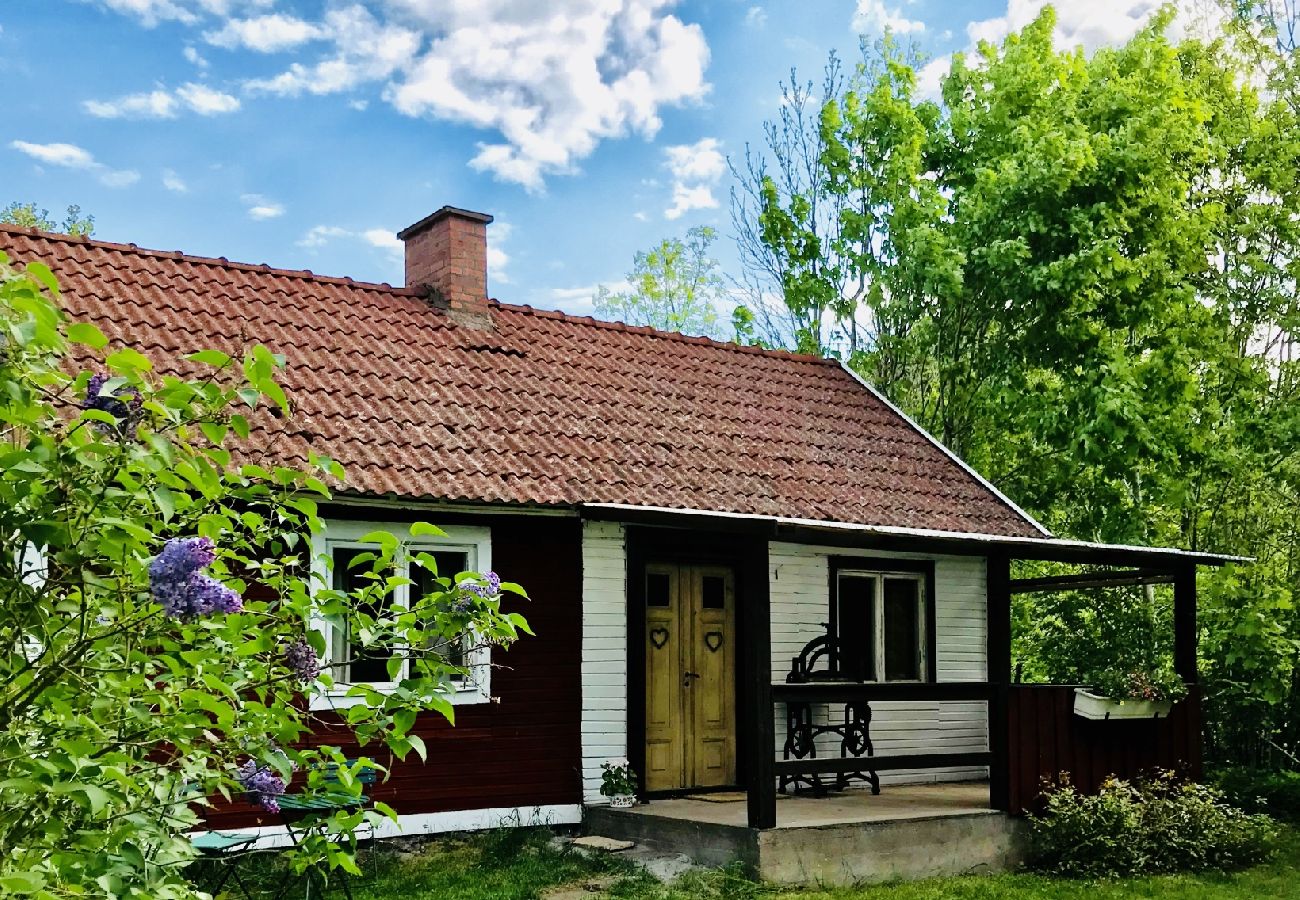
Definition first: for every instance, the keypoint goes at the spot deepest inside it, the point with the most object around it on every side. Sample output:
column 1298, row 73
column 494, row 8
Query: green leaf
column 42, row 273
column 419, row 529
column 214, row 358
column 22, row 882
column 85, row 333
column 127, row 360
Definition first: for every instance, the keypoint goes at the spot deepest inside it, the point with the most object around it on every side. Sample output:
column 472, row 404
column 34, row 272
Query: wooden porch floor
column 894, row 803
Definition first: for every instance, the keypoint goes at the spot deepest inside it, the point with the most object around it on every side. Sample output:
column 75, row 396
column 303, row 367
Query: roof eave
column 1045, row 548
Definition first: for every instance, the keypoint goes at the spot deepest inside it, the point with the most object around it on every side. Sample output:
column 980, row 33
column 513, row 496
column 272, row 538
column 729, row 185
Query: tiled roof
column 546, row 409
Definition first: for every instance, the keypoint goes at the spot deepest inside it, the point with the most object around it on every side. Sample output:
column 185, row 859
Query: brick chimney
column 447, row 254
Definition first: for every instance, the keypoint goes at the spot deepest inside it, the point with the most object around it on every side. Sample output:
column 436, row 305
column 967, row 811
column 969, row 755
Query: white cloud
column 320, row 235
column 265, row 34
column 174, row 182
column 545, row 82
column 929, row 80
column 552, row 79
column 696, row 169
column 580, row 301
column 151, row 12
column 260, row 208
column 756, row 17
column 497, row 258
column 70, row 156
column 187, row 12
column 206, row 101
column 150, row 105
column 162, row 104
column 119, row 178
column 67, row 155
column 383, row 239
column 873, row 17
column 365, row 50
column 195, row 57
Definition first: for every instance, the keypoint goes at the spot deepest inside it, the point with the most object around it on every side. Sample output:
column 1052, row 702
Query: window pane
column 449, row 563
column 371, row 665
column 656, row 589
column 902, row 630
column 857, row 630
column 714, row 592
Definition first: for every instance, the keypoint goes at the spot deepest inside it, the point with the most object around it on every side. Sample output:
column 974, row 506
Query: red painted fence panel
column 1046, row 738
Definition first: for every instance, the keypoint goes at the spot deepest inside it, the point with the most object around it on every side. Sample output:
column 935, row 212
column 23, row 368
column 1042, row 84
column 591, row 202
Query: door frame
column 679, row 546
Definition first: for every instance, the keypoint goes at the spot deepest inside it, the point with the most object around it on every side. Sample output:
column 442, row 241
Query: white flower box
column 1094, row 706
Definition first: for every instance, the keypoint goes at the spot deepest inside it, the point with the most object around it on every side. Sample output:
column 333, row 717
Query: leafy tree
column 28, row 216
column 1080, row 272
column 140, row 672
column 675, row 286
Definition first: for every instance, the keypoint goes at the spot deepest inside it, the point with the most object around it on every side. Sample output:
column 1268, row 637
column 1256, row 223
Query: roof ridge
column 307, row 274
column 218, row 261
column 527, row 309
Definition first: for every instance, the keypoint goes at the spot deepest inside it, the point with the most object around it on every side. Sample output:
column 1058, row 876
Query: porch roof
column 914, row 539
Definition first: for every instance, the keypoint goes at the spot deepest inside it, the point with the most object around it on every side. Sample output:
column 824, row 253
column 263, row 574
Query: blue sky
column 305, row 134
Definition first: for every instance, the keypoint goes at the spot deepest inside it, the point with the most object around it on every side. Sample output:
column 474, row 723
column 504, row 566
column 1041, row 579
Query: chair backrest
column 364, row 775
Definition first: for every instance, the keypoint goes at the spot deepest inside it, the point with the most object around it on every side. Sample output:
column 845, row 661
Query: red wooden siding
column 1047, row 738
column 525, row 750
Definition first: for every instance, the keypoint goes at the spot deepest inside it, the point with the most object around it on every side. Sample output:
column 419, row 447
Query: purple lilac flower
column 300, row 658
column 262, row 785
column 124, row 404
column 178, row 583
column 490, row 587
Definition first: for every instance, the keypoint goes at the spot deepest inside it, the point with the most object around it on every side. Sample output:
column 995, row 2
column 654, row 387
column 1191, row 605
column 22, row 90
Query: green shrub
column 1262, row 791
column 1153, row 825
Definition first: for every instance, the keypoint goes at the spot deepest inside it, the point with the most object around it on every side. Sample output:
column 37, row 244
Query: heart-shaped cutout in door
column 658, row 637
column 713, row 640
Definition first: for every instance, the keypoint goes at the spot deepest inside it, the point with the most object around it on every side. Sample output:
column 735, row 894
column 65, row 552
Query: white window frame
column 475, row 541
column 878, row 618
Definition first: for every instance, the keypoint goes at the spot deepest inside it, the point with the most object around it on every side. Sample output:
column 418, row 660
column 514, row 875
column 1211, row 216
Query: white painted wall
column 800, row 586
column 604, row 651
column 800, row 577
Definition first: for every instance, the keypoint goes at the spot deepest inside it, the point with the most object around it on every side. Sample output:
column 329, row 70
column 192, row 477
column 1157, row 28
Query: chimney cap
column 445, row 212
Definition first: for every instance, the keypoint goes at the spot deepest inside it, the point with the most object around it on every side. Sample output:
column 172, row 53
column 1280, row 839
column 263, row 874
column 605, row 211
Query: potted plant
column 1138, row 694
column 618, row 783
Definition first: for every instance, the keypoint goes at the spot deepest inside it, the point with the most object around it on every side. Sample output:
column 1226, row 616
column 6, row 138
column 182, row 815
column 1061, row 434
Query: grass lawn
column 520, row 865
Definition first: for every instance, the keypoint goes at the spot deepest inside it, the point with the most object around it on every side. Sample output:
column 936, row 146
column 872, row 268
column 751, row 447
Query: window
column 882, row 613
column 463, row 549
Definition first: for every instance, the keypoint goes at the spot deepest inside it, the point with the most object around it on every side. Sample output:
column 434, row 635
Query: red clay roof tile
column 547, row 409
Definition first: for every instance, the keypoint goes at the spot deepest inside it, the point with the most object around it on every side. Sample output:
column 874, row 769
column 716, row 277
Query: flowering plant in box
column 1159, row 684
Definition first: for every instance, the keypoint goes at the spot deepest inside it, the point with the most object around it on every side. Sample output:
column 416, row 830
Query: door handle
column 687, row 676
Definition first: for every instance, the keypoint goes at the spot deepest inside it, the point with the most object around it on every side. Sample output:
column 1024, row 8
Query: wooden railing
column 849, row 692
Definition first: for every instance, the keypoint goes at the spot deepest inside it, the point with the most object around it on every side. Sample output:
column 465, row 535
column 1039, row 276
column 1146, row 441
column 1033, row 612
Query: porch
column 963, row 717
column 908, row 831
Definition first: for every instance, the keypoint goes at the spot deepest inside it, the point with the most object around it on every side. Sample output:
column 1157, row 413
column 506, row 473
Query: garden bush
column 1153, row 825
column 1276, row 793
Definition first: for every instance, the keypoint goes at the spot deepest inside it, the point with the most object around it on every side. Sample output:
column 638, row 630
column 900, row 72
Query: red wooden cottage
column 687, row 516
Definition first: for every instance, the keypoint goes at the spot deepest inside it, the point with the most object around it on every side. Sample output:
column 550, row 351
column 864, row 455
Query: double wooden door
column 690, row 653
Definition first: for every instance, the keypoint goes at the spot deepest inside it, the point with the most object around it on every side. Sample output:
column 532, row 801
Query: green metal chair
column 297, row 808
column 223, row 850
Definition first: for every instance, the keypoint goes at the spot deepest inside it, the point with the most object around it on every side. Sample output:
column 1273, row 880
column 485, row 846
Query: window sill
column 323, row 701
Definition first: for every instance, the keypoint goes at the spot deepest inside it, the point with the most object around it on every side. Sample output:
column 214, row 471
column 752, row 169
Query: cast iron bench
column 819, row 661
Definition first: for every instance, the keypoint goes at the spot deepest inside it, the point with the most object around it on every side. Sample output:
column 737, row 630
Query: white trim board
column 413, row 824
